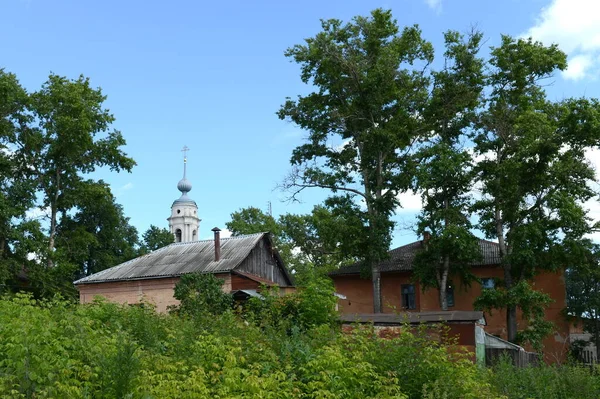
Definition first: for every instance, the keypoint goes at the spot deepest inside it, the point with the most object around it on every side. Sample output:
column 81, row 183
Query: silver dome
column 184, row 186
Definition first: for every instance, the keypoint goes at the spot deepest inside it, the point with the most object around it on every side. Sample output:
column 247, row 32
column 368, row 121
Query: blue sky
column 211, row 75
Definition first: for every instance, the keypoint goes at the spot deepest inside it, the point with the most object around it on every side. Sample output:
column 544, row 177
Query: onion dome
column 184, row 185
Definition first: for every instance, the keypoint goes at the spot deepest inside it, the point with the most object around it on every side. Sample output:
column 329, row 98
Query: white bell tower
column 184, row 222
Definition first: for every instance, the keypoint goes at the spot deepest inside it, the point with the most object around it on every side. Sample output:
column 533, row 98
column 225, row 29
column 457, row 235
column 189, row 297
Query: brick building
column 243, row 262
column 401, row 293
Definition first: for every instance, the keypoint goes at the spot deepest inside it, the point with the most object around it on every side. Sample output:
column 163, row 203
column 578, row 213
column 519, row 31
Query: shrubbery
column 56, row 349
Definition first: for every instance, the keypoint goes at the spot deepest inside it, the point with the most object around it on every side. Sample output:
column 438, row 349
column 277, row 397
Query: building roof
column 182, row 258
column 455, row 316
column 402, row 258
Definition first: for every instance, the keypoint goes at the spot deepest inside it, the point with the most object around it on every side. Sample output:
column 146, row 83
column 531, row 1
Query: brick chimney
column 217, row 232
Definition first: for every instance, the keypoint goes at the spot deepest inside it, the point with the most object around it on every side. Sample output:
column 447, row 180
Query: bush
column 547, row 382
column 56, row 349
column 201, row 294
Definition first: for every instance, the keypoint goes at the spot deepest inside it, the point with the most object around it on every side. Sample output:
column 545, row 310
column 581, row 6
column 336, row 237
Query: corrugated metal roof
column 181, row 258
column 402, row 258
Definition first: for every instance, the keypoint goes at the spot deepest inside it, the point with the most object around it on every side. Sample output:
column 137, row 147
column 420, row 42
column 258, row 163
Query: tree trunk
column 53, row 222
column 511, row 311
column 597, row 339
column 376, row 276
column 443, row 283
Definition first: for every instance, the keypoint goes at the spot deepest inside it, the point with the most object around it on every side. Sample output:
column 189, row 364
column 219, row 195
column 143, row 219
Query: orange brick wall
column 359, row 299
column 156, row 291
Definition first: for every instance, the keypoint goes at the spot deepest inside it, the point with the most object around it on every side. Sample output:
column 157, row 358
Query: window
column 450, row 296
column 488, row 283
column 178, row 211
column 178, row 235
column 408, row 296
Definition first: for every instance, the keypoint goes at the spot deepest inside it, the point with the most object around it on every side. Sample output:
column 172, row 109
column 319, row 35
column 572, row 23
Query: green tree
column 20, row 234
column 583, row 291
column 534, row 176
column 155, row 238
column 202, row 294
column 308, row 244
column 71, row 138
column 98, row 235
column 444, row 172
column 252, row 220
column 367, row 100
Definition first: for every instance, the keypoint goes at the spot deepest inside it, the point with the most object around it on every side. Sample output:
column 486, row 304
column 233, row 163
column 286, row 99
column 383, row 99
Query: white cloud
column 578, row 67
column 593, row 205
column 575, row 26
column 435, row 5
column 128, row 186
column 410, row 202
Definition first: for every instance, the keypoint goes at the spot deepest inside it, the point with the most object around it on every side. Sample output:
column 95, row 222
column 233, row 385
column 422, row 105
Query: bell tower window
column 178, row 235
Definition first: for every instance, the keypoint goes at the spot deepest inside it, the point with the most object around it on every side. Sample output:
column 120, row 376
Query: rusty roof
column 455, row 316
column 401, row 258
column 181, row 258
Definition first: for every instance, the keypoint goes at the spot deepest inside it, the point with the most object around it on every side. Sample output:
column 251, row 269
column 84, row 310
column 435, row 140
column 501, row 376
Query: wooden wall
column 262, row 263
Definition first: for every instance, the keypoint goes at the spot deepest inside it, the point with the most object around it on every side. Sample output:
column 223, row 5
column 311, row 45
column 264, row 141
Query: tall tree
column 444, row 167
column 97, row 235
column 19, row 234
column 155, row 238
column 534, row 176
column 72, row 137
column 368, row 100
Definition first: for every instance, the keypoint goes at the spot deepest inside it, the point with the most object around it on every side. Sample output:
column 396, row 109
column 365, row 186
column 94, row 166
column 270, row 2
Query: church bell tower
column 184, row 222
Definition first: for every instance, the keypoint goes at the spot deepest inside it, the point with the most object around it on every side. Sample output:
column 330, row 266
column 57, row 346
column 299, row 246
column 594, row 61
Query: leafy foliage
column 311, row 306
column 533, row 172
column 365, row 100
column 583, row 291
column 105, row 350
column 308, row 244
column 155, row 238
column 444, row 172
column 55, row 222
column 202, row 294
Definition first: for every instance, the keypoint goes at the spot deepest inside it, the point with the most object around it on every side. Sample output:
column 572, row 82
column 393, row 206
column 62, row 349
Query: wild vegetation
column 279, row 348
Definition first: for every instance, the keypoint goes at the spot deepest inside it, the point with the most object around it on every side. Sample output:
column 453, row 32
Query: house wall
column 359, row 299
column 461, row 334
column 156, row 291
column 243, row 283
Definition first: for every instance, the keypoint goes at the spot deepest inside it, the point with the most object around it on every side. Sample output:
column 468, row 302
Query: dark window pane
column 488, row 283
column 408, row 296
column 450, row 296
